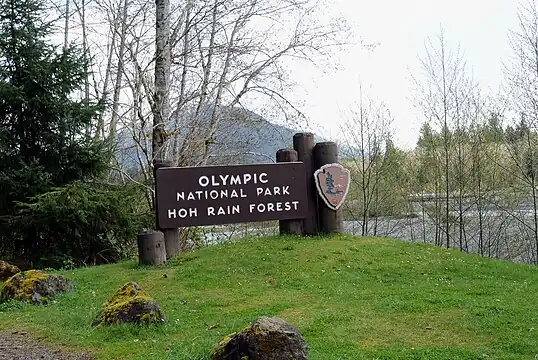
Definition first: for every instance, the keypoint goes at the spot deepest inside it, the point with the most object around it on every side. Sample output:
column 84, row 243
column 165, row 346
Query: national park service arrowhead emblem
column 332, row 181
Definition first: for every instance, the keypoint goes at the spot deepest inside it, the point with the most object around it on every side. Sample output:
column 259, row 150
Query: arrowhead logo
column 332, row 182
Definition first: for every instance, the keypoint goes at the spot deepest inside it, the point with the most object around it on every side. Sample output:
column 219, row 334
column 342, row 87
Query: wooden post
column 303, row 143
column 171, row 236
column 294, row 227
column 330, row 221
column 151, row 248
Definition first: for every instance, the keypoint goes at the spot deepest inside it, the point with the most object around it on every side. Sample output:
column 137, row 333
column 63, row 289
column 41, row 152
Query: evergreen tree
column 43, row 140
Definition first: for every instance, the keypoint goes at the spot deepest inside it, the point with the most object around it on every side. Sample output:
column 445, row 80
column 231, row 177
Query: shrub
column 79, row 224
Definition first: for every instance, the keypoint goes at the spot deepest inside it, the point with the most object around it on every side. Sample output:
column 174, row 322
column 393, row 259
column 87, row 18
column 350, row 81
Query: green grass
column 351, row 298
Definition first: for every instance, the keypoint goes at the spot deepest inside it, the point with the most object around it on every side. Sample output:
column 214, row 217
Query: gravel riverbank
column 19, row 345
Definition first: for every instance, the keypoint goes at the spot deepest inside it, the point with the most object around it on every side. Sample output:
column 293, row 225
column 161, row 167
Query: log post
column 151, row 248
column 293, row 227
column 303, row 143
column 330, row 221
column 171, row 236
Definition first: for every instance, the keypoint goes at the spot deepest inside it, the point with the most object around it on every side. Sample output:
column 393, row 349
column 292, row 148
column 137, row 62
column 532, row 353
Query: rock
column 129, row 305
column 35, row 286
column 7, row 270
column 266, row 339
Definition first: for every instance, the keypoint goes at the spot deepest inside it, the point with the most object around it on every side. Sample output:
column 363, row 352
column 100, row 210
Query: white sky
column 480, row 27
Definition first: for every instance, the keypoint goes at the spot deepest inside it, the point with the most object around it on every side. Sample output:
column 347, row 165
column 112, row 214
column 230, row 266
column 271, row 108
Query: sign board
column 195, row 196
column 332, row 182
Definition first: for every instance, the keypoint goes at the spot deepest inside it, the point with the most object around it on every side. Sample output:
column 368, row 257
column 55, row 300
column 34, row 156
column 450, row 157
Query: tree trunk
column 162, row 78
column 66, row 25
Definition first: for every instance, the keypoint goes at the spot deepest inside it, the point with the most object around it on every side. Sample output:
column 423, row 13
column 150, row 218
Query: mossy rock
column 268, row 338
column 129, row 305
column 35, row 286
column 7, row 270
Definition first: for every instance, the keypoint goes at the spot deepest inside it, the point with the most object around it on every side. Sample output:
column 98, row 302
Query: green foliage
column 379, row 184
column 350, row 297
column 44, row 138
column 475, row 150
column 82, row 223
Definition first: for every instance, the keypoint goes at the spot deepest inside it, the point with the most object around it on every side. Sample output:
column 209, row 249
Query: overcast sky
column 480, row 27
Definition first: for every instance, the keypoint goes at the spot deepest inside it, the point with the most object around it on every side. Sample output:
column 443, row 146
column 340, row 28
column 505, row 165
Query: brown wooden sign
column 195, row 196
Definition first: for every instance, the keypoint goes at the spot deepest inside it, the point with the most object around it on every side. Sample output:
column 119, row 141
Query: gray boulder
column 129, row 304
column 35, row 286
column 268, row 338
column 7, row 270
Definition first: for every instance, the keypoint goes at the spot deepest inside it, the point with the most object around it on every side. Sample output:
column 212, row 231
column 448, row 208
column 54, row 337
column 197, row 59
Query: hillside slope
column 242, row 137
column 352, row 298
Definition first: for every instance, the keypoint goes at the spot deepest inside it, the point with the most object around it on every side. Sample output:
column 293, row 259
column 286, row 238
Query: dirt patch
column 19, row 345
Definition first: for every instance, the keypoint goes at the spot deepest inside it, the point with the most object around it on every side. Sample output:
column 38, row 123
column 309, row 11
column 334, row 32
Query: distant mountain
column 243, row 137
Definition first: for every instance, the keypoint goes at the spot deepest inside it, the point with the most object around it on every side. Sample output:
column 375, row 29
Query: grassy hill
column 352, row 298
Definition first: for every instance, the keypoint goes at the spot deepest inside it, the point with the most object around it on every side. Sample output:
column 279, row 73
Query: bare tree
column 160, row 101
column 207, row 58
column 522, row 79
column 366, row 131
column 444, row 91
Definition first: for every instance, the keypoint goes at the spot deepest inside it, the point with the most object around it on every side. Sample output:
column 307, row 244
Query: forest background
column 95, row 92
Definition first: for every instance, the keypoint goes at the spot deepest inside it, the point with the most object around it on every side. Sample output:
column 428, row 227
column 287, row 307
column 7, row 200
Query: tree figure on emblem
column 329, row 183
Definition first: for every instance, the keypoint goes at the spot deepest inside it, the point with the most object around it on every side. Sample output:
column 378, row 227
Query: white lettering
column 203, row 181
column 223, row 210
column 235, row 180
column 274, row 191
column 182, row 213
column 223, row 178
column 213, row 194
column 274, row 206
column 213, row 181
column 228, row 180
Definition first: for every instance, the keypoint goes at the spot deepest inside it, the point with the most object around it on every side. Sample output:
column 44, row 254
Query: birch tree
column 367, row 130
column 443, row 91
column 522, row 79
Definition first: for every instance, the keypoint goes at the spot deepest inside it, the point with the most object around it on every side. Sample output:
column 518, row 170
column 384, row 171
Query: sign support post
column 171, row 236
column 293, row 227
column 151, row 248
column 303, row 143
column 330, row 220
